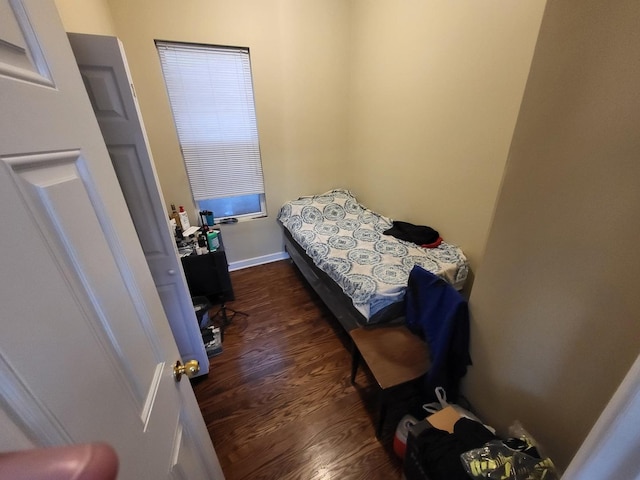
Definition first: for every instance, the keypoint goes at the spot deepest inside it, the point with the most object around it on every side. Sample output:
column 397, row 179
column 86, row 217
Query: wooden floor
column 277, row 401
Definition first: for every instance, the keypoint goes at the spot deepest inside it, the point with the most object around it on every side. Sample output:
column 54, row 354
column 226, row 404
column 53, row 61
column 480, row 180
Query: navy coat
column 437, row 312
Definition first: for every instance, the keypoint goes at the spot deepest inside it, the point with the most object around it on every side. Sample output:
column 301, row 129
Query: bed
column 359, row 272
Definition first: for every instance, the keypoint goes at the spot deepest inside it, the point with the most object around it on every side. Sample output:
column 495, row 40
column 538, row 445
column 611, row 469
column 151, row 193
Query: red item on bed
column 432, row 244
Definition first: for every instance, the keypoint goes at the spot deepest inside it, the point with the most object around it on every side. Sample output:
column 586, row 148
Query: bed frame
column 332, row 295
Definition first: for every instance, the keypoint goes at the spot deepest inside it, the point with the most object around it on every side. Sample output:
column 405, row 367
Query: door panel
column 24, row 419
column 102, row 64
column 185, row 454
column 21, row 57
column 126, row 163
column 14, row 438
column 90, row 257
column 86, row 352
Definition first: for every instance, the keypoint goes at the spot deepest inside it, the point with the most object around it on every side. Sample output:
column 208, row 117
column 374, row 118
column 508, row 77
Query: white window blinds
column 211, row 95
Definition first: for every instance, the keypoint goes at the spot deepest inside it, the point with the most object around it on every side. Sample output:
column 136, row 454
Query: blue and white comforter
column 346, row 241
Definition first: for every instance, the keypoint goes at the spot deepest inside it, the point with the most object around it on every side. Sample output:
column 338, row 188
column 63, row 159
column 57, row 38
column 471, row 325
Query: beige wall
column 435, row 93
column 555, row 303
column 86, row 16
column 299, row 64
column 376, row 96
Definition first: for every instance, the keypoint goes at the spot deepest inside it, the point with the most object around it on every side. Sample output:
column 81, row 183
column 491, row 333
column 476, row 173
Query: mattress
column 346, row 241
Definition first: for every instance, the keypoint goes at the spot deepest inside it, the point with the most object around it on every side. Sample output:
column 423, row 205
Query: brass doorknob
column 189, row 369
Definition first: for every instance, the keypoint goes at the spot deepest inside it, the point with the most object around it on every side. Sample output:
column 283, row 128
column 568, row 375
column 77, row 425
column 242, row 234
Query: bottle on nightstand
column 184, row 219
column 212, row 240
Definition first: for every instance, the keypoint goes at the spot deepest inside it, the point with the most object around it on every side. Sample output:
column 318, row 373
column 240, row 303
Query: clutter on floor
column 212, row 335
column 453, row 444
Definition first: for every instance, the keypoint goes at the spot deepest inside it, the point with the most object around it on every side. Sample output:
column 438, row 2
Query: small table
column 208, row 275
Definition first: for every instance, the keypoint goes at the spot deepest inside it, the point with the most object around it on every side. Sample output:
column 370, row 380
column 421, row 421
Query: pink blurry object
column 92, row 461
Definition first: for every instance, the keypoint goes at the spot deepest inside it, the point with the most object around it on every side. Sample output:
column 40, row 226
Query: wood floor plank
column 277, row 401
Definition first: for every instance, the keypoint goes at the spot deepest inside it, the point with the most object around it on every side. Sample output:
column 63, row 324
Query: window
column 211, row 96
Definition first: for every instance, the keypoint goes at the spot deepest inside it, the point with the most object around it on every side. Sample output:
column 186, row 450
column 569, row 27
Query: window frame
column 250, row 148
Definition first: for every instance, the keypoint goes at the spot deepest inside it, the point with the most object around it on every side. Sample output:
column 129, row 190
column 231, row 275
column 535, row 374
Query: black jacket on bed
column 440, row 315
column 418, row 234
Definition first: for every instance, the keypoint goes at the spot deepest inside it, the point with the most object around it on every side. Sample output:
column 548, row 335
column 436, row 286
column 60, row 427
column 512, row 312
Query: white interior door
column 103, row 66
column 86, row 352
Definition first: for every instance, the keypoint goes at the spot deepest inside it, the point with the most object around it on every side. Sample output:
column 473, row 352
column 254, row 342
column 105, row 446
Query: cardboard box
column 444, row 419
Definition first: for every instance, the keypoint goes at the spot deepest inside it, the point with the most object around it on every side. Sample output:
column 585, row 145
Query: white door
column 103, row 66
column 86, row 352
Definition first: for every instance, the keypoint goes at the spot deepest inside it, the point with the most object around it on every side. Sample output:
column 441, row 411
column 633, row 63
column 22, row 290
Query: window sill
column 235, row 220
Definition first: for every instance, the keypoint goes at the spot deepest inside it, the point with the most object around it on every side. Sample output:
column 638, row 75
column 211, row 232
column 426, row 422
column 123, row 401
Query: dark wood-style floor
column 277, row 401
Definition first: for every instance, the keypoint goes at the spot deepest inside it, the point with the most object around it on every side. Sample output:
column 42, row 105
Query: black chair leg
column 355, row 362
column 382, row 412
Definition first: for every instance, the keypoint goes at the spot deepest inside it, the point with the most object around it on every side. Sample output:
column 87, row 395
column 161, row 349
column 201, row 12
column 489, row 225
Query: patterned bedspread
column 345, row 240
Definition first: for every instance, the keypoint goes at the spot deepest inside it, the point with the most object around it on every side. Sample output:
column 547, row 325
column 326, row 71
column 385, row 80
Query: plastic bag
column 402, row 432
column 511, row 459
column 434, row 407
column 441, row 395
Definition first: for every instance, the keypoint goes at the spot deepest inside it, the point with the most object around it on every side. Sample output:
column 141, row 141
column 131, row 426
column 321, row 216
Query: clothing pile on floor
column 449, row 445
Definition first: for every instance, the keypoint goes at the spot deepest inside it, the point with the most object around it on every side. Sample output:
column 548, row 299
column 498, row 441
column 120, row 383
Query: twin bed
column 360, row 273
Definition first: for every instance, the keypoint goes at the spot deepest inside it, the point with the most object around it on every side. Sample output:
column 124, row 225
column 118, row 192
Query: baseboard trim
column 253, row 262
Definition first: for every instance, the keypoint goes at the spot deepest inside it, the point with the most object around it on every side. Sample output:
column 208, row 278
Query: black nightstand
column 208, row 275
